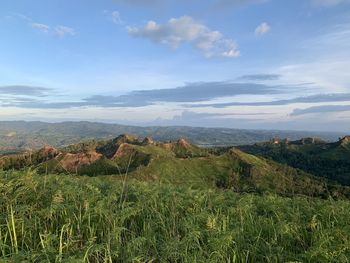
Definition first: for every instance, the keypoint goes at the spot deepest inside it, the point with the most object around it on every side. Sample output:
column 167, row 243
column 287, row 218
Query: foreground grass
column 103, row 219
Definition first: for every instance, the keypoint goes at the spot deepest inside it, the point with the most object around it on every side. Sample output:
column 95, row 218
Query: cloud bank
column 192, row 92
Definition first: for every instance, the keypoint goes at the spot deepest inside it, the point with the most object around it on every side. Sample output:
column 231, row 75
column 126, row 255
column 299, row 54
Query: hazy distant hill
column 20, row 135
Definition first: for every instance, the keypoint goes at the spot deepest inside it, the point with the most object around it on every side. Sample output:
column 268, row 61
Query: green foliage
column 104, row 219
column 22, row 160
column 100, row 167
column 329, row 160
column 131, row 161
column 191, row 152
column 82, row 146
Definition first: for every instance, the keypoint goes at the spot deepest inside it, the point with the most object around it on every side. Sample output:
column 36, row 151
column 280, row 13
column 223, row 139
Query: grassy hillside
column 19, row 135
column 166, row 202
column 104, row 219
column 329, row 160
column 178, row 162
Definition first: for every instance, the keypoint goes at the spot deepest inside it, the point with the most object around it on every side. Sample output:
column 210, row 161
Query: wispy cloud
column 260, row 77
column 186, row 30
column 24, row 90
column 41, row 27
column 262, row 29
column 318, row 98
column 321, row 109
column 116, row 18
column 59, row 30
column 62, row 31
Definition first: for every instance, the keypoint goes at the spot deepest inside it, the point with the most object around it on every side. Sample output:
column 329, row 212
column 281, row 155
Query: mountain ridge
column 180, row 162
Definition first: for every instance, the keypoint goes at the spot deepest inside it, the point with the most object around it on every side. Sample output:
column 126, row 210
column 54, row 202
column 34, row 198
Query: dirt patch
column 11, row 134
column 73, row 162
column 124, row 149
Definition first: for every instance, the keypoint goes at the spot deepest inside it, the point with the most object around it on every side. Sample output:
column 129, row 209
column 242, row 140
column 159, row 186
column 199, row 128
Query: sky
column 252, row 64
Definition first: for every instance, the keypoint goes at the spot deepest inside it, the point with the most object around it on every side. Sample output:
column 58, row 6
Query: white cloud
column 41, row 27
column 116, row 18
column 329, row 3
column 186, row 30
column 232, row 51
column 262, row 29
column 62, row 31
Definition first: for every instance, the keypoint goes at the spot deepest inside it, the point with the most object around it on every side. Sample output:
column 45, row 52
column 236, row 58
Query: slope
column 329, row 160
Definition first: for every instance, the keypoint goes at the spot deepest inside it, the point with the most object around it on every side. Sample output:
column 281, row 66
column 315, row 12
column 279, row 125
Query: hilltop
column 179, row 162
column 313, row 155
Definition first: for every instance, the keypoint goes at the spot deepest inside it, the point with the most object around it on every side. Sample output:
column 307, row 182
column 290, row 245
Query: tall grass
column 81, row 219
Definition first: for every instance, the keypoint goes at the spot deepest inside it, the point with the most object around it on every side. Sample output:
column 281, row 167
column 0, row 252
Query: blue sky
column 262, row 64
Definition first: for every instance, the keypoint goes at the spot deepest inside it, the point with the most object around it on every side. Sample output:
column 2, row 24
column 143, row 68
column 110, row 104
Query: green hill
column 317, row 157
column 168, row 202
column 177, row 162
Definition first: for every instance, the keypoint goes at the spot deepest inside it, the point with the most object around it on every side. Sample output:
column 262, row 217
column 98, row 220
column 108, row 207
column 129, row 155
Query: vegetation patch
column 60, row 218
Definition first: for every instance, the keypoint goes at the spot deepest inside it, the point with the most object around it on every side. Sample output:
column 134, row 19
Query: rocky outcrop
column 148, row 141
column 183, row 143
column 345, row 142
column 48, row 152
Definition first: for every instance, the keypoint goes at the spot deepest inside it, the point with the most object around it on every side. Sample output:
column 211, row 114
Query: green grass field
column 62, row 218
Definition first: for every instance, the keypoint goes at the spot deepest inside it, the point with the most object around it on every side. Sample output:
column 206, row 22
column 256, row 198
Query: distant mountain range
column 179, row 162
column 19, row 135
